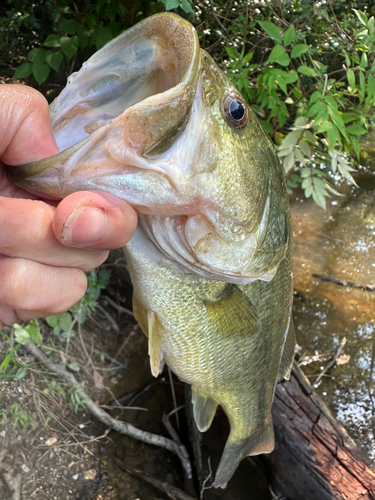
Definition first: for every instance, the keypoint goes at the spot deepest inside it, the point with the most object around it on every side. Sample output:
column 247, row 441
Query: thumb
column 25, row 127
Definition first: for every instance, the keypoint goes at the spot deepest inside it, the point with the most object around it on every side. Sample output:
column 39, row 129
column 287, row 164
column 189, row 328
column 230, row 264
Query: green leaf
column 171, row 4
column 187, row 7
column 362, row 81
column 40, row 72
column 37, row 56
column 282, row 84
column 65, row 321
column 305, row 70
column 267, row 126
column 84, row 37
column 370, row 25
column 349, row 117
column 21, row 335
column 231, row 52
column 23, row 70
column 319, row 199
column 288, row 162
column 52, row 41
column 332, row 137
column 101, row 36
column 279, row 55
column 54, row 59
column 69, row 45
column 69, row 26
column 310, row 137
column 33, row 329
column 305, row 148
column 307, row 181
column 371, row 86
column 291, row 139
column 289, row 36
column 271, row 30
column 356, row 130
column 73, row 366
column 248, row 57
column 276, row 52
column 361, row 16
column 351, row 78
column 299, row 49
column 324, row 126
column 52, row 321
column 364, row 63
column 20, row 373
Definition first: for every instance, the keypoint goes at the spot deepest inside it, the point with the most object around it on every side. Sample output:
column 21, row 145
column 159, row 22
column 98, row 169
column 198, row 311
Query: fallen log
column 314, row 457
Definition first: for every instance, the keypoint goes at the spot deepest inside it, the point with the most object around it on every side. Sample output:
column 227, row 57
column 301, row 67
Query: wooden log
column 314, row 457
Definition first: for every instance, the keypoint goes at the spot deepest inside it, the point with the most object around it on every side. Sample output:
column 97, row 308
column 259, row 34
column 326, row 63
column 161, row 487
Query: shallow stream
column 339, row 243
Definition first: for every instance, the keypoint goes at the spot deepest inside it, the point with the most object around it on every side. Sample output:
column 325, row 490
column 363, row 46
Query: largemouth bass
column 152, row 119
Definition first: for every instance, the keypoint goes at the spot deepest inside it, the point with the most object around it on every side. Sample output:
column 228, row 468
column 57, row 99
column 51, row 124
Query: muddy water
column 340, row 243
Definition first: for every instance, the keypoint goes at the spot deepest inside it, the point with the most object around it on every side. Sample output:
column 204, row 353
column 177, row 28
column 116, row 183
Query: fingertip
column 94, row 220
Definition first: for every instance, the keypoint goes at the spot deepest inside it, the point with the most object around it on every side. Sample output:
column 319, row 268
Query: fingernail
column 84, row 226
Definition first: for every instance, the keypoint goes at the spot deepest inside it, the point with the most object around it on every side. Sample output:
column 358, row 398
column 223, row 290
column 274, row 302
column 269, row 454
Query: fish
column 152, row 119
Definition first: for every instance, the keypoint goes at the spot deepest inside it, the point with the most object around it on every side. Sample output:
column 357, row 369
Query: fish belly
column 225, row 340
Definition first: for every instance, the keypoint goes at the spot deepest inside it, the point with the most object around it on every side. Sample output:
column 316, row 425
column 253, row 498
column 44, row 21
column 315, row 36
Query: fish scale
column 210, row 260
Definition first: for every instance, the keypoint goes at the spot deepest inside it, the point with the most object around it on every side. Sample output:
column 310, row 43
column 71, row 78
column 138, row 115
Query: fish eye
column 235, row 112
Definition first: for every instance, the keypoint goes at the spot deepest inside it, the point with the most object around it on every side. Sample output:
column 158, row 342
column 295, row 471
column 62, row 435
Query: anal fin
column 204, row 409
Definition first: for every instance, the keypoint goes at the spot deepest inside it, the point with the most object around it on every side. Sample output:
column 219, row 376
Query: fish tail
column 235, row 451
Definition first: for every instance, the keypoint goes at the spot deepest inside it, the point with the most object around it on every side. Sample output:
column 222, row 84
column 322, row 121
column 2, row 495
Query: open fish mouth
column 140, row 121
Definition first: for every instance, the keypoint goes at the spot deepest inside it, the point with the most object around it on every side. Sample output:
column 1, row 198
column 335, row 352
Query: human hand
column 44, row 251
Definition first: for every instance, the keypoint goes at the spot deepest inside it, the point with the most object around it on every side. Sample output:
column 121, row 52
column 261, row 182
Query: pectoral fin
column 204, row 409
column 232, row 313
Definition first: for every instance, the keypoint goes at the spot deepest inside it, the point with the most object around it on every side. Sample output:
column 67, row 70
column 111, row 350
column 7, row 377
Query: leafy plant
column 315, row 103
column 10, row 368
column 21, row 420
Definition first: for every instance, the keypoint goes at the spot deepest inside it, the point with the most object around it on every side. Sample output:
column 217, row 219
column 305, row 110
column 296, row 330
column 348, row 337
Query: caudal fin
column 235, row 451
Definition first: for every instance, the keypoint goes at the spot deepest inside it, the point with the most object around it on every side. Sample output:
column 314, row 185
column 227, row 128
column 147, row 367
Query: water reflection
column 340, row 243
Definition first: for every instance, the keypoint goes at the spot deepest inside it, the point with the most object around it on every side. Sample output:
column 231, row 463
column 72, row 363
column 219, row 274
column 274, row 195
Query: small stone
column 89, row 475
column 51, row 441
column 75, row 476
column 25, row 468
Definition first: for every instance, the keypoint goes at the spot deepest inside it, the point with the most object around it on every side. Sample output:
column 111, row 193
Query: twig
column 118, row 307
column 107, row 356
column 331, row 279
column 331, row 363
column 122, row 427
column 173, row 396
column 170, row 429
column 207, row 478
column 168, row 489
column 108, row 317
